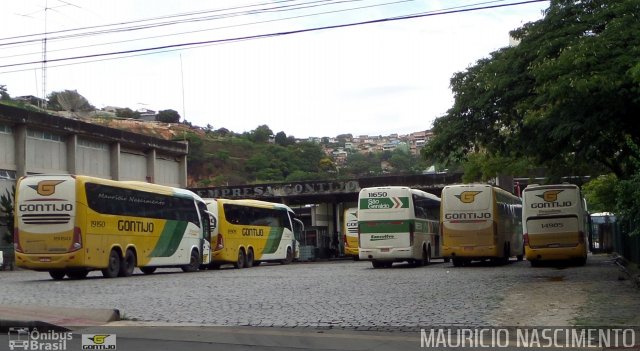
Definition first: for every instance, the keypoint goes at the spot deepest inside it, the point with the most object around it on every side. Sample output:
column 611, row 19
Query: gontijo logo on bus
column 468, row 197
column 551, row 200
column 384, row 203
column 46, row 187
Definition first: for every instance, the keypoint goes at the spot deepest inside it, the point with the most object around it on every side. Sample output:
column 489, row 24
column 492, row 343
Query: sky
column 372, row 79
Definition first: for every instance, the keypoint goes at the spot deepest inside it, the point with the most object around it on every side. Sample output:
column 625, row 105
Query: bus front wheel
column 194, row 262
column 78, row 274
column 57, row 275
column 113, row 268
column 288, row 258
column 148, row 270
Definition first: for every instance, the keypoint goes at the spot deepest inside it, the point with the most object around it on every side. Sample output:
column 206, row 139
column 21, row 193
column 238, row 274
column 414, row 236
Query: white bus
column 249, row 232
column 480, row 221
column 398, row 224
column 555, row 223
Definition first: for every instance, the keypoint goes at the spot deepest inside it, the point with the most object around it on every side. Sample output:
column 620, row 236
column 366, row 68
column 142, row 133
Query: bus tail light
column 344, row 240
column 219, row 243
column 76, row 243
column 16, row 240
column 526, row 239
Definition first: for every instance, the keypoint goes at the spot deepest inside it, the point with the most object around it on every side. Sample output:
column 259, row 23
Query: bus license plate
column 45, row 259
column 384, row 250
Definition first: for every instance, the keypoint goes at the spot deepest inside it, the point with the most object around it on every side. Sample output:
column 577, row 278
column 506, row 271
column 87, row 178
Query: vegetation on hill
column 221, row 158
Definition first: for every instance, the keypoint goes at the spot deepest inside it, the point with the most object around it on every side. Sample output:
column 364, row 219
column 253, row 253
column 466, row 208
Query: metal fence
column 625, row 244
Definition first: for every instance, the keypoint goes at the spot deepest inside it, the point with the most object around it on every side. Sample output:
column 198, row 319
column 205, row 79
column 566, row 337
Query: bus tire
column 458, row 262
column 377, row 264
column 78, row 274
column 581, row 261
column 241, row 259
column 128, row 264
column 148, row 270
column 535, row 263
column 257, row 263
column 506, row 254
column 214, row 266
column 288, row 258
column 113, row 267
column 57, row 274
column 520, row 257
column 194, row 262
column 427, row 260
column 250, row 258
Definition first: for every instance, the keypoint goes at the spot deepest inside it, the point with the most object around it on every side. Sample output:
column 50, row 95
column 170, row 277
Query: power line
column 159, row 49
column 225, row 27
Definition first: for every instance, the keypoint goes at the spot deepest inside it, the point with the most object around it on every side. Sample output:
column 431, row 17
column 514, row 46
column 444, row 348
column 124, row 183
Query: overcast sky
column 374, row 79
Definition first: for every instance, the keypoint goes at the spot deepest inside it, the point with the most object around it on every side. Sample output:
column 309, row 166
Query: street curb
column 54, row 318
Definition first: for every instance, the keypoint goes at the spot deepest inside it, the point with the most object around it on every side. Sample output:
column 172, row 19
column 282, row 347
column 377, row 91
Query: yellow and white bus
column 396, row 224
column 70, row 225
column 480, row 221
column 350, row 230
column 555, row 223
column 249, row 232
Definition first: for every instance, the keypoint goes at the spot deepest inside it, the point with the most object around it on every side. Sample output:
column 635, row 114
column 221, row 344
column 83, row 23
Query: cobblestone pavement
column 346, row 294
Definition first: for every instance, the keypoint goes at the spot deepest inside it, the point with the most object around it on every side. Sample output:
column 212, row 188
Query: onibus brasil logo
column 34, row 340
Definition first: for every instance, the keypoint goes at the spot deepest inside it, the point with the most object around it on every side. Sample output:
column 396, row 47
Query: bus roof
column 249, row 202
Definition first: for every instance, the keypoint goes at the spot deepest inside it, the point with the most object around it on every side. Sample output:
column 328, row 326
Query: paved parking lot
column 347, row 294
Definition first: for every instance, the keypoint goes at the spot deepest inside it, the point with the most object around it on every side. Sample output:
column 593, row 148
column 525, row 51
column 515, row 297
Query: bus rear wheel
column 57, row 274
column 194, row 262
column 249, row 262
column 128, row 264
column 113, row 267
column 377, row 264
column 458, row 262
column 241, row 259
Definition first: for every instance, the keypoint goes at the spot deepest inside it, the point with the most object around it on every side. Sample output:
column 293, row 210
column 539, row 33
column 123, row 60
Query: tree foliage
column 6, row 210
column 68, row 100
column 168, row 116
column 4, row 94
column 127, row 113
column 567, row 97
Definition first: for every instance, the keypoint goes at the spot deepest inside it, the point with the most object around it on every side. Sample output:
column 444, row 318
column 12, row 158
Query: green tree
column 601, row 193
column 127, row 113
column 168, row 116
column 261, row 134
column 68, row 100
column 281, row 139
column 6, row 210
column 4, row 95
column 565, row 98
